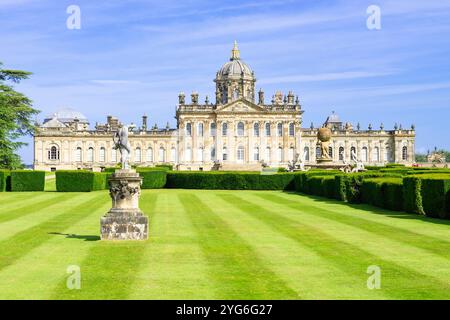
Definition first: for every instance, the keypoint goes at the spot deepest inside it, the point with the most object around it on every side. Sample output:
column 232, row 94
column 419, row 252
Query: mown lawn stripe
column 434, row 245
column 10, row 199
column 397, row 280
column 110, row 268
column 23, row 242
column 233, row 264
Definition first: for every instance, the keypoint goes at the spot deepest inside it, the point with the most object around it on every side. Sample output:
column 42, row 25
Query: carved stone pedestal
column 125, row 221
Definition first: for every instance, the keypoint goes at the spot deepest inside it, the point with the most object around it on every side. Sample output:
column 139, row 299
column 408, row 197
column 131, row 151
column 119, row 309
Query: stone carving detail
column 122, row 190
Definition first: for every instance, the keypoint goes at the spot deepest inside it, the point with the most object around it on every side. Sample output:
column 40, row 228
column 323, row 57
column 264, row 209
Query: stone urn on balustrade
column 124, row 221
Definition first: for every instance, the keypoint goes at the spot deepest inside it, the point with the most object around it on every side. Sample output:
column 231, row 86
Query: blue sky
column 134, row 57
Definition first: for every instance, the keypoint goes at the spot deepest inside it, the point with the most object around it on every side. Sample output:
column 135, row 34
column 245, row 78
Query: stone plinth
column 125, row 221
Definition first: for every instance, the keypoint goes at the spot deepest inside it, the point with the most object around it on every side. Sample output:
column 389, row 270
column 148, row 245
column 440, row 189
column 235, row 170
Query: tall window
column 267, row 129
column 280, row 154
column 376, row 154
column 213, row 129
column 256, row 129
column 240, row 129
column 78, row 155
column 200, row 129
column 364, row 154
column 90, row 155
column 53, row 153
column 387, row 154
column 318, row 152
column 213, row 153
column 162, row 154
column 188, row 154
column 189, row 129
column 291, row 153
column 352, row 151
column 225, row 129
column 149, row 156
column 267, row 155
column 200, row 154
column 240, row 153
column 341, row 153
column 113, row 155
column 306, row 153
column 173, row 154
column 280, row 129
column 405, row 153
column 330, row 151
column 291, row 129
column 101, row 154
column 256, row 153
column 224, row 154
column 137, row 155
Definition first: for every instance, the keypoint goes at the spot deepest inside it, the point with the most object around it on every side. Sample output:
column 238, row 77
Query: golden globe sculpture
column 323, row 141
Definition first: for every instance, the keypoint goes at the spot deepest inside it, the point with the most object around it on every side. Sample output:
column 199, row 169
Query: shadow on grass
column 375, row 210
column 77, row 236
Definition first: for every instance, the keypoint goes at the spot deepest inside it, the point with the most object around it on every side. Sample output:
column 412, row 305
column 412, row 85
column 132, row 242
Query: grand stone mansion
column 240, row 131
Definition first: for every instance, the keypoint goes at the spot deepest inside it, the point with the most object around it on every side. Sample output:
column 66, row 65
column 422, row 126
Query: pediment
column 241, row 106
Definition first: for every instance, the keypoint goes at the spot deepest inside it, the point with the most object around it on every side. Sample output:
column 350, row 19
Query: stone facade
column 240, row 131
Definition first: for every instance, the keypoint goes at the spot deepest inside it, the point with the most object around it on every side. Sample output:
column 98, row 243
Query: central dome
column 235, row 68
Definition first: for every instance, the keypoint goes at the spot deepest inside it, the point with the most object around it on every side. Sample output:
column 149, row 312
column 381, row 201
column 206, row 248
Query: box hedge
column 5, row 180
column 412, row 197
column 153, row 179
column 230, row 180
column 435, row 191
column 81, row 181
column 383, row 192
column 27, row 180
column 302, row 183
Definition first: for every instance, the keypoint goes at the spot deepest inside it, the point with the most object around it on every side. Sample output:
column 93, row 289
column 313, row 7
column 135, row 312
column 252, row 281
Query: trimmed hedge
column 81, row 181
column 5, row 180
column 435, row 191
column 152, row 179
column 383, row 192
column 167, row 166
column 412, row 197
column 27, row 180
column 302, row 179
column 230, row 180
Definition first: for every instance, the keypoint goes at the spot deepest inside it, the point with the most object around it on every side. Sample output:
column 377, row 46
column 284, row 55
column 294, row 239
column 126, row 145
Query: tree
column 16, row 113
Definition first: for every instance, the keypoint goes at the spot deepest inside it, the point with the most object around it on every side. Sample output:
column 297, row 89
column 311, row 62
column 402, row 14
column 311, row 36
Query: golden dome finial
column 235, row 52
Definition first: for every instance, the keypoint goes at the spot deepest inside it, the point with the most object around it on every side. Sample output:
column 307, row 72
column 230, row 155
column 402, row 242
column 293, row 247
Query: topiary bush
column 412, row 198
column 27, row 180
column 435, row 196
column 5, row 180
column 153, row 179
column 80, row 180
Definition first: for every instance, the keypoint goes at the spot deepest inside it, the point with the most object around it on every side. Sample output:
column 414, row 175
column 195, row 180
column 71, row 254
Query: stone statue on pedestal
column 122, row 144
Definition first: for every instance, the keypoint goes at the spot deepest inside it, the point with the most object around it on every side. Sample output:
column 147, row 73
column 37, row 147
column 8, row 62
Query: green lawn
column 220, row 245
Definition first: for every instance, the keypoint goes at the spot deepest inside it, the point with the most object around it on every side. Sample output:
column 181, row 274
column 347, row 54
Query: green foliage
column 282, row 169
column 16, row 115
column 301, row 182
column 80, row 181
column 435, row 195
column 153, row 179
column 412, row 198
column 383, row 192
column 5, row 180
column 27, row 180
column 168, row 166
column 230, row 180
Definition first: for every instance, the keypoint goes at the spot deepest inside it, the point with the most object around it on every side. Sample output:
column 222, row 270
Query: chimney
column 194, row 98
column 260, row 97
column 144, row 123
column 181, row 97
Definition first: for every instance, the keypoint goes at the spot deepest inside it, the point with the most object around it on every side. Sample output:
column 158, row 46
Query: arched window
column 405, row 153
column 330, row 151
column 200, row 154
column 341, row 153
column 200, row 129
column 213, row 153
column 387, row 154
column 267, row 155
column 225, row 129
column 53, row 153
column 78, row 155
column 137, row 155
column 149, row 156
column 113, row 155
column 364, row 154
column 256, row 153
column 101, row 154
column 240, row 129
column 256, row 129
column 291, row 129
column 306, row 153
column 162, row 154
column 280, row 129
column 291, row 153
column 224, row 153
column 90, row 155
column 267, row 129
column 188, row 129
column 280, row 154
column 188, row 154
column 376, row 154
column 213, row 129
column 240, row 153
column 173, row 154
column 353, row 151
column 318, row 152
